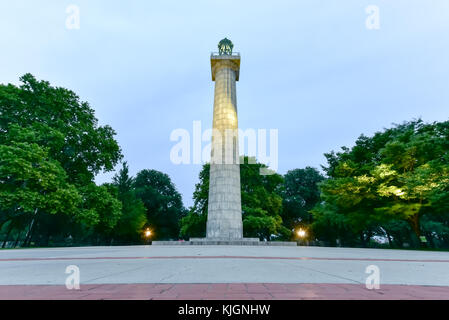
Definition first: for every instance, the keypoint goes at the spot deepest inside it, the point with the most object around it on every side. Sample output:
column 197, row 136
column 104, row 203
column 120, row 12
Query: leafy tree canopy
column 162, row 202
column 399, row 174
column 63, row 124
column 261, row 203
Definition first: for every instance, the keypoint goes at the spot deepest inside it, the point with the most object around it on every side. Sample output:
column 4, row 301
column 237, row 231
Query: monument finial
column 225, row 47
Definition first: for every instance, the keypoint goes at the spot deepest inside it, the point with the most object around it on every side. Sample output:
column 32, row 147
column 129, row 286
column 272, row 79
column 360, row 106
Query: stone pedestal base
column 224, row 242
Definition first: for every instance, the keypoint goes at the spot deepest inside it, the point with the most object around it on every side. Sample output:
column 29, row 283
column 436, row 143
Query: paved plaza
column 223, row 272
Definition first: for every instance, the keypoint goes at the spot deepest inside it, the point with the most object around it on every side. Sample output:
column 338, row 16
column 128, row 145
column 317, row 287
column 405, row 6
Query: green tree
column 63, row 131
column 261, row 203
column 163, row 203
column 397, row 175
column 66, row 126
column 31, row 183
column 300, row 195
column 102, row 210
column 193, row 225
column 133, row 218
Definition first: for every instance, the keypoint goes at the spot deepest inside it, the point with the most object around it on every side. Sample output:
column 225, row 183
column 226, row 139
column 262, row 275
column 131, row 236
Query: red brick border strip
column 224, row 291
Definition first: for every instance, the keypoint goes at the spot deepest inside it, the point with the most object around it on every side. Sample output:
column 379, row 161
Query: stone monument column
column 224, row 220
column 224, row 216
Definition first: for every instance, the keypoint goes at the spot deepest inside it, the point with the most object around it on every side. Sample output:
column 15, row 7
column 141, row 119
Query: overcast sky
column 310, row 69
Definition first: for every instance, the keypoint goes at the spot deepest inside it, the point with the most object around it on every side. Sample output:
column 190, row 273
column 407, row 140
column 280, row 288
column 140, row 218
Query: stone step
column 213, row 242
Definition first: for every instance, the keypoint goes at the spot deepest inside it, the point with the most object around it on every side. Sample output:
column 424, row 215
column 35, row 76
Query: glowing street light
column 147, row 234
column 301, row 233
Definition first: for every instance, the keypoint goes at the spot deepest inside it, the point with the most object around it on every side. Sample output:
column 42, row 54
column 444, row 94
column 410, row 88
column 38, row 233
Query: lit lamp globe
column 225, row 47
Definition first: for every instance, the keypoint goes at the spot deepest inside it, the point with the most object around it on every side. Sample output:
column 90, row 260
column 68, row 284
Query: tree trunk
column 30, row 237
column 30, row 229
column 7, row 236
column 414, row 223
column 430, row 239
column 389, row 239
column 17, row 239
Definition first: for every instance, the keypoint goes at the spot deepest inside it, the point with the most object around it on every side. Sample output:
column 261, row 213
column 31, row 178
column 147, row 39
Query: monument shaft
column 224, row 221
column 224, row 216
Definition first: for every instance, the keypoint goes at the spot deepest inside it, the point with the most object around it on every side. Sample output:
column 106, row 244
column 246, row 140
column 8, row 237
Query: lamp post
column 147, row 235
column 302, row 234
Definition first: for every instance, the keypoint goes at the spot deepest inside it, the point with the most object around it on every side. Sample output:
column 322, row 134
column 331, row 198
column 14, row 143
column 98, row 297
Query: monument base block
column 224, row 242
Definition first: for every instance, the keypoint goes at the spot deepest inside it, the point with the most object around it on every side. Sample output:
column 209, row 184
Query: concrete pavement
column 181, row 266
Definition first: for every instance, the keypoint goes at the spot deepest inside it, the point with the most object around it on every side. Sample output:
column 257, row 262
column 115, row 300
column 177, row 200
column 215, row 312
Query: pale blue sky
column 309, row 68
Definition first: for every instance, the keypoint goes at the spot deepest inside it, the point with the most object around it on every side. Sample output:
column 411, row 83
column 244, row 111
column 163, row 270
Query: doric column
column 224, row 208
